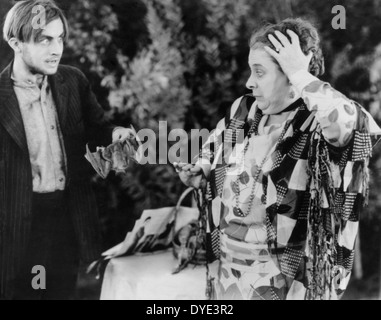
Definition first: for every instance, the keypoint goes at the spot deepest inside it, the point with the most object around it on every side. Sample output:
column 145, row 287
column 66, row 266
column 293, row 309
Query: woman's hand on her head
column 289, row 54
column 191, row 175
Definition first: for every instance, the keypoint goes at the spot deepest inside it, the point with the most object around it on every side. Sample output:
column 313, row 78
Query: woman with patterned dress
column 287, row 175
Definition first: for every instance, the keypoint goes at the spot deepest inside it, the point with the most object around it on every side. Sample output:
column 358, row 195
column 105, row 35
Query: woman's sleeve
column 336, row 113
column 211, row 146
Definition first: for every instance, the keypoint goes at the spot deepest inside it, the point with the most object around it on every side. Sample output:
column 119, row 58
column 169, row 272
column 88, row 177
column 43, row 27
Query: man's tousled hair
column 20, row 18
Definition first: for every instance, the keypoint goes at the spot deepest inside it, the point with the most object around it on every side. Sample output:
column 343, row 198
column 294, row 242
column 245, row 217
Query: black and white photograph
column 202, row 151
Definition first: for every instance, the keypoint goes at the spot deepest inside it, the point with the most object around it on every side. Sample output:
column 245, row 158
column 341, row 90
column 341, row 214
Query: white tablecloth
column 149, row 277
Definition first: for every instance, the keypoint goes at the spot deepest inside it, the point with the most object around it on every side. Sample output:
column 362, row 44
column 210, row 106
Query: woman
column 288, row 174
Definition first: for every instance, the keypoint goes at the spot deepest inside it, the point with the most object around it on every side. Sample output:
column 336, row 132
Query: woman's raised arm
column 336, row 113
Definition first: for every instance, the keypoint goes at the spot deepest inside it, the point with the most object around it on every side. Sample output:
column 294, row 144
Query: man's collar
column 28, row 83
column 25, row 79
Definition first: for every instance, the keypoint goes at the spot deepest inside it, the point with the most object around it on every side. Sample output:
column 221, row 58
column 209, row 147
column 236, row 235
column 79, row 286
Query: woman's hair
column 20, row 22
column 308, row 36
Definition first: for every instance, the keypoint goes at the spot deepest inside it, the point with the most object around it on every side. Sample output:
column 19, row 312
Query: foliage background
column 185, row 62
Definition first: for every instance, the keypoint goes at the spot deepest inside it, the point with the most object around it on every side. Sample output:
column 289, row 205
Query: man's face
column 43, row 55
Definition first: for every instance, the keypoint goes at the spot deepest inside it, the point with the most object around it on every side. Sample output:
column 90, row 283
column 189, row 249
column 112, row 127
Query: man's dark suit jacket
column 82, row 121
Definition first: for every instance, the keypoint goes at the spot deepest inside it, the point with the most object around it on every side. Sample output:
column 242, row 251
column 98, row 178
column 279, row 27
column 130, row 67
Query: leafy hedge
column 184, row 62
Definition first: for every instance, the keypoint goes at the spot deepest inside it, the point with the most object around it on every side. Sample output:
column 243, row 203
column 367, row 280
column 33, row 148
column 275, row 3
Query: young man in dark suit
column 48, row 113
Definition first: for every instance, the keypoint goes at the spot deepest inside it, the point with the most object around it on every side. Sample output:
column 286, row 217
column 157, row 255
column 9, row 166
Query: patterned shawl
column 319, row 252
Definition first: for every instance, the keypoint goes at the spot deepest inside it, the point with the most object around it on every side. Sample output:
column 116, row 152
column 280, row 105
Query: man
column 48, row 214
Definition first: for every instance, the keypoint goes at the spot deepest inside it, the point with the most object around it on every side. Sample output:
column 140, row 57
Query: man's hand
column 191, row 175
column 288, row 53
column 121, row 134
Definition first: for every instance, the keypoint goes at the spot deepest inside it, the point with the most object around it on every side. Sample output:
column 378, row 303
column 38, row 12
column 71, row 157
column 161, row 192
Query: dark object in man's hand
column 116, row 157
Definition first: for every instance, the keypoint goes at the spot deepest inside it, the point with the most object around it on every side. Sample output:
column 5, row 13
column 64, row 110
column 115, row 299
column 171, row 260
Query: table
column 149, row 277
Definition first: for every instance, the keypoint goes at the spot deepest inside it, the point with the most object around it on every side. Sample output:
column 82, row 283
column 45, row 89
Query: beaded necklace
column 253, row 130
